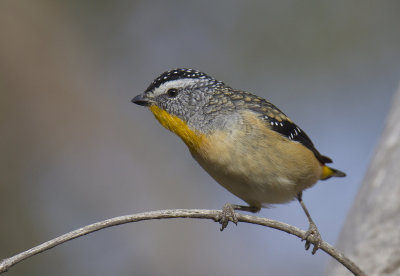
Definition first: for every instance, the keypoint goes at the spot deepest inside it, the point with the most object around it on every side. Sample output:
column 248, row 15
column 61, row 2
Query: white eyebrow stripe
column 172, row 84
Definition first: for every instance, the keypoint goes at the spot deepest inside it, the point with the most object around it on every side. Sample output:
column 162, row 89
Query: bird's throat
column 191, row 138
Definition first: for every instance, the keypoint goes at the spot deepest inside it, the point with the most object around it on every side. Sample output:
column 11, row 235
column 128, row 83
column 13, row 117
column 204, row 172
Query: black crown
column 181, row 73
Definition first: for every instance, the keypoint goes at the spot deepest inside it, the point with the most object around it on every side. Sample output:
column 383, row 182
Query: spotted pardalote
column 244, row 142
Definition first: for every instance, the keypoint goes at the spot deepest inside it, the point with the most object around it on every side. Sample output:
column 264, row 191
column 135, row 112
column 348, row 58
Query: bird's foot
column 227, row 214
column 312, row 236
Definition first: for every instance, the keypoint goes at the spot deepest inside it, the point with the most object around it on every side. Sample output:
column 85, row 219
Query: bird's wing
column 279, row 122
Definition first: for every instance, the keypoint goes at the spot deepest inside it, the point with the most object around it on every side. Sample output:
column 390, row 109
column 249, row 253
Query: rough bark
column 371, row 234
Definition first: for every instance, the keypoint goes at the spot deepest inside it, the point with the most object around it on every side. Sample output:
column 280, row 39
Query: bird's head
column 182, row 101
column 179, row 92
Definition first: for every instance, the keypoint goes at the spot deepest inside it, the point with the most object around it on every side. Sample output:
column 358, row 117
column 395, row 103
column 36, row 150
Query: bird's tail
column 328, row 172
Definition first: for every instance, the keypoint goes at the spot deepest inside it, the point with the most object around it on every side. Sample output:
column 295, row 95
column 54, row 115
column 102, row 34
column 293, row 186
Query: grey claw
column 227, row 214
column 312, row 236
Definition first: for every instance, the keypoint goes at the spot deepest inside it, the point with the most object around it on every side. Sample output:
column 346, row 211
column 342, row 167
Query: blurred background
column 74, row 150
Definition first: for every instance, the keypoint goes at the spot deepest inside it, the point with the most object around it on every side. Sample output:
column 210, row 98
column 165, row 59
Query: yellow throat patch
column 191, row 138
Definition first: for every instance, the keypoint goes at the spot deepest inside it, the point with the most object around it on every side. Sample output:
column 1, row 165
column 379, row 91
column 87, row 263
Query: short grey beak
column 141, row 100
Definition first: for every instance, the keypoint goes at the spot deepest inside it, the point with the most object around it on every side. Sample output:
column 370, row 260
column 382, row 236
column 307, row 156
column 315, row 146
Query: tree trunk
column 371, row 234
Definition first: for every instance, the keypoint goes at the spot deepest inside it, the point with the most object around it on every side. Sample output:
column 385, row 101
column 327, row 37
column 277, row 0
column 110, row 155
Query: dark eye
column 172, row 92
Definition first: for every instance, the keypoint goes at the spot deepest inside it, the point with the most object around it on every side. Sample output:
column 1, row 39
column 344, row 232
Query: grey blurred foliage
column 74, row 150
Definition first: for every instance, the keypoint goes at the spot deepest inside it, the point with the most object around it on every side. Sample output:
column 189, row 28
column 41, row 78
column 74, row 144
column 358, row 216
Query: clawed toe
column 227, row 214
column 312, row 236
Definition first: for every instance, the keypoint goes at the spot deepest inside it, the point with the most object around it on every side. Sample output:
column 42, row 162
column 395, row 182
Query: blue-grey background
column 74, row 150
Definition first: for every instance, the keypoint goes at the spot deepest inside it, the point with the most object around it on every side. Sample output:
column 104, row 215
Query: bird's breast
column 257, row 164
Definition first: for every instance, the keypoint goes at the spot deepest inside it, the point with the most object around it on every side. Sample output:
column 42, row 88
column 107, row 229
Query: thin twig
column 178, row 213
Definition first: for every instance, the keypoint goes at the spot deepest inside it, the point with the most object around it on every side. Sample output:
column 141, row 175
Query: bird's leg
column 312, row 235
column 228, row 213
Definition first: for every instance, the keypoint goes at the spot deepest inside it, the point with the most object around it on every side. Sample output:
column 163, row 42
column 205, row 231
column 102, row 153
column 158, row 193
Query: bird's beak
column 142, row 99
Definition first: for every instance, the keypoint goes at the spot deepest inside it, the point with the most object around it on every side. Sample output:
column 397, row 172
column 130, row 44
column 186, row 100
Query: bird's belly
column 254, row 184
column 260, row 175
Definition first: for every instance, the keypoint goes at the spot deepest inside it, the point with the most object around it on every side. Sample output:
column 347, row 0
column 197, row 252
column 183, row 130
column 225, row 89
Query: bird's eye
column 172, row 92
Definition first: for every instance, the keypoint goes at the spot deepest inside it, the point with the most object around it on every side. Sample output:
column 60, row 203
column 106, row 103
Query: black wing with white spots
column 282, row 124
column 294, row 133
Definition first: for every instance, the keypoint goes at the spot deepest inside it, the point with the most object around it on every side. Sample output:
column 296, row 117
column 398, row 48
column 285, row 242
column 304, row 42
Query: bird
column 244, row 142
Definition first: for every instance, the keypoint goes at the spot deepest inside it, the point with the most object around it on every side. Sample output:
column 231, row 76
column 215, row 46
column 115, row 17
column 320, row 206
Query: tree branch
column 178, row 213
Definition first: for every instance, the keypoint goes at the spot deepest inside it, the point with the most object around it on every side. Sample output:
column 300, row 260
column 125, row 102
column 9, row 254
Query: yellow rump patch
column 327, row 172
column 191, row 138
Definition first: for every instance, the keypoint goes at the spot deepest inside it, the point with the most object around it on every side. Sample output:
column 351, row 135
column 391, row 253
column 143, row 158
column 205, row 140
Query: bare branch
column 178, row 213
